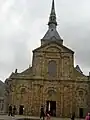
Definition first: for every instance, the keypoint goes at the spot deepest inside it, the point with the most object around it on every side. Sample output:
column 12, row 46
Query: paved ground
column 6, row 117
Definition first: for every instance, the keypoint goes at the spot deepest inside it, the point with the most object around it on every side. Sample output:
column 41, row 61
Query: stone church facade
column 51, row 81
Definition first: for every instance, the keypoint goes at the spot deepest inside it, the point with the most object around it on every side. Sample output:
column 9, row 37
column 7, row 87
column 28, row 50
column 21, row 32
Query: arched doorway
column 81, row 97
column 51, row 107
column 51, row 102
column 21, row 109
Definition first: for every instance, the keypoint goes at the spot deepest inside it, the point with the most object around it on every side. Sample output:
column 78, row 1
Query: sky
column 24, row 22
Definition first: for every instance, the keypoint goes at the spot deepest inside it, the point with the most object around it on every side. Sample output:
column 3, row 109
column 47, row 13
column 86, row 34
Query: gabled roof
column 78, row 73
column 78, row 69
column 27, row 71
column 53, row 42
column 12, row 74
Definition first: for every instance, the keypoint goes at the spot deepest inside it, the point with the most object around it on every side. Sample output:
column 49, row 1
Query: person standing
column 14, row 110
column 48, row 117
column 73, row 116
column 42, row 113
column 10, row 111
column 87, row 117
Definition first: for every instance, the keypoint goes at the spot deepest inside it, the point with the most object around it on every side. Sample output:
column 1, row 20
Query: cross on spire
column 52, row 18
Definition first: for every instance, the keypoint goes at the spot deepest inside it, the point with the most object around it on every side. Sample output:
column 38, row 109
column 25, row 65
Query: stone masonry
column 52, row 77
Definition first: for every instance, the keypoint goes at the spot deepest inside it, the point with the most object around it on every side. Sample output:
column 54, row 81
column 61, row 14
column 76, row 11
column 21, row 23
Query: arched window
column 52, row 68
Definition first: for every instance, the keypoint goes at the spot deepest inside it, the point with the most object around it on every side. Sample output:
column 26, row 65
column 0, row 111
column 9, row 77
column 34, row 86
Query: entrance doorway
column 21, row 108
column 81, row 112
column 51, row 106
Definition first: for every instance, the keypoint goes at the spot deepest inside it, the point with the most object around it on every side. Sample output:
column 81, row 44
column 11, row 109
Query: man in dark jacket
column 10, row 111
column 73, row 116
column 14, row 110
column 42, row 113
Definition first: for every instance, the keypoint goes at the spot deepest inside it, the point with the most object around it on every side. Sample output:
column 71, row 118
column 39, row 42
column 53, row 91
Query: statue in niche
column 81, row 97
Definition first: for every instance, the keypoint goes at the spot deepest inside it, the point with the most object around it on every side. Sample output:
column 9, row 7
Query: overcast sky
column 24, row 22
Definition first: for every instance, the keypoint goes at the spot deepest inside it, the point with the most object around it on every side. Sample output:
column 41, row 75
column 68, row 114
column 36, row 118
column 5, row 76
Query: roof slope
column 78, row 69
column 1, row 89
column 50, row 34
column 27, row 71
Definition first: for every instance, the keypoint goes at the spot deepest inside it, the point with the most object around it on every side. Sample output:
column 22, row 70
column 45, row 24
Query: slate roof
column 78, row 69
column 50, row 34
column 27, row 71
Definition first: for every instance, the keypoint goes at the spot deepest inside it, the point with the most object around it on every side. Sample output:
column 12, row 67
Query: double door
column 51, row 107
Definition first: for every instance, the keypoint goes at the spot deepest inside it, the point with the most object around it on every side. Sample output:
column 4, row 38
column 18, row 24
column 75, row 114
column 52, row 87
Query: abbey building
column 51, row 81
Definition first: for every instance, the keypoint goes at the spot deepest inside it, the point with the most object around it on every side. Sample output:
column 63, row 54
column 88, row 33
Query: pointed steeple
column 52, row 34
column 52, row 18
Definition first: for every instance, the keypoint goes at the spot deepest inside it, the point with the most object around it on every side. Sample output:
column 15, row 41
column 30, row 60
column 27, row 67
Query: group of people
column 47, row 115
column 11, row 110
column 43, row 114
column 86, row 118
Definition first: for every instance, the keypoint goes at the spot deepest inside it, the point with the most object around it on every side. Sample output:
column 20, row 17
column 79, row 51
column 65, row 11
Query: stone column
column 62, row 103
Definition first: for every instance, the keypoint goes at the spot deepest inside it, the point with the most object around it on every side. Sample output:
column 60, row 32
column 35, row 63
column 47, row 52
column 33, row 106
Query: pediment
column 53, row 47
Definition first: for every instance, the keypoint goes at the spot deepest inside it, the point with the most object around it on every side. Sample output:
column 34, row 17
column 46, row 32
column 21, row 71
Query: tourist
column 42, row 115
column 48, row 117
column 73, row 116
column 10, row 111
column 88, row 117
column 14, row 110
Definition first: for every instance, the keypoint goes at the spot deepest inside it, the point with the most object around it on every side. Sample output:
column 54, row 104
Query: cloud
column 24, row 22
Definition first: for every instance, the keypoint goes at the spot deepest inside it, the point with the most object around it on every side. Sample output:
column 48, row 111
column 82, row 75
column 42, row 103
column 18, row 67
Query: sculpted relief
column 53, row 48
column 53, row 52
column 81, row 96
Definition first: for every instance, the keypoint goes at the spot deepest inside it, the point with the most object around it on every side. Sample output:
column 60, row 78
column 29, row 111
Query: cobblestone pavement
column 6, row 117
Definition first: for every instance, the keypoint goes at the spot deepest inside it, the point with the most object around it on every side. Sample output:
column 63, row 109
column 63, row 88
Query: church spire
column 52, row 18
column 52, row 34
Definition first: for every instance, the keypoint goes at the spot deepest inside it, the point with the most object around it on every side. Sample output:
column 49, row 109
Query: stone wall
column 1, row 105
column 53, row 78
